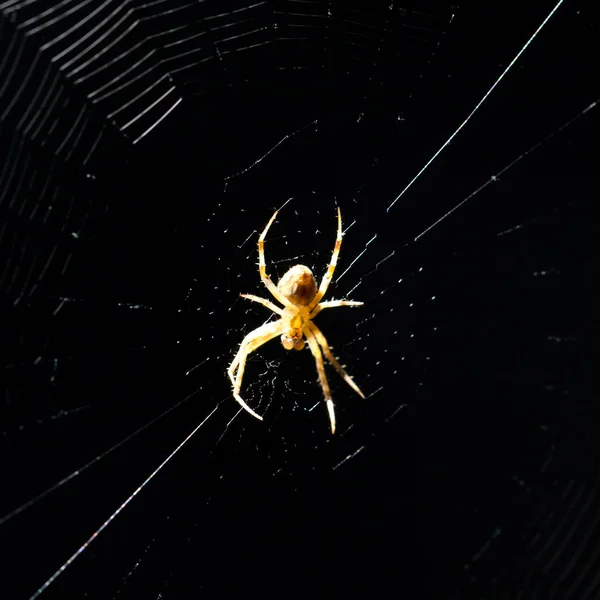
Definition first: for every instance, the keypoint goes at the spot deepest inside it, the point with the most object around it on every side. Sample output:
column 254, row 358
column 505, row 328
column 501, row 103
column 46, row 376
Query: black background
column 470, row 471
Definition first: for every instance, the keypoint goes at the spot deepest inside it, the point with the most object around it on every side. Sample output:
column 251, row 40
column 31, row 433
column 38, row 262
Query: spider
column 297, row 292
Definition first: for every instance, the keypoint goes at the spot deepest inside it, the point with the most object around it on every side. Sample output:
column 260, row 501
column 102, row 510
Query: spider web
column 145, row 146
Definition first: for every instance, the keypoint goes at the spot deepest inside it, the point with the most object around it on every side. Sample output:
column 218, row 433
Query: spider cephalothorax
column 297, row 292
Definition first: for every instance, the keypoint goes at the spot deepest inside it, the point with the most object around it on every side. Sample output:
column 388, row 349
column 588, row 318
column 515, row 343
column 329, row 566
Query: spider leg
column 327, row 351
column 264, row 302
column 333, row 304
column 329, row 274
column 259, row 336
column 316, row 352
column 262, row 267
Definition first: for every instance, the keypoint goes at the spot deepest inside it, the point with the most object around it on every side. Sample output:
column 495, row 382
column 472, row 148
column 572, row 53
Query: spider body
column 298, row 285
column 301, row 299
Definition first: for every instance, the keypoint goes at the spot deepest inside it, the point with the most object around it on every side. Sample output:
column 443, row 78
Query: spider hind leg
column 256, row 338
column 327, row 352
column 316, row 351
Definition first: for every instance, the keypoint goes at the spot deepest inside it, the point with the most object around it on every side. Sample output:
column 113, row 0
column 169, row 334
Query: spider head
column 292, row 343
column 298, row 285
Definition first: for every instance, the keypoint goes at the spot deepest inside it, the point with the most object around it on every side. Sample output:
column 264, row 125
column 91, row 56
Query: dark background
column 145, row 146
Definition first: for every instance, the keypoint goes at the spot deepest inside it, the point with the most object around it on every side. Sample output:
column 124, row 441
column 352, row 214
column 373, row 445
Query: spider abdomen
column 298, row 285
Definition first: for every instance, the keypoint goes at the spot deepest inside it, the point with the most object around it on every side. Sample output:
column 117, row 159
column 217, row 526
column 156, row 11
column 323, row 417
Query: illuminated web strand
column 495, row 177
column 348, row 458
column 511, row 164
column 283, row 139
column 17, row 511
column 164, row 116
column 510, row 65
column 112, row 517
column 354, row 261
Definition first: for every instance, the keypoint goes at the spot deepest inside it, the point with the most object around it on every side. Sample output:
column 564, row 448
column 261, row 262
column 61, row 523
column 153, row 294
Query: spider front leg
column 329, row 274
column 262, row 267
column 261, row 335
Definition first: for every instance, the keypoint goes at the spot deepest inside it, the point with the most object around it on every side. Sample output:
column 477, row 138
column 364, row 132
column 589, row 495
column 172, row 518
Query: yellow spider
column 297, row 291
